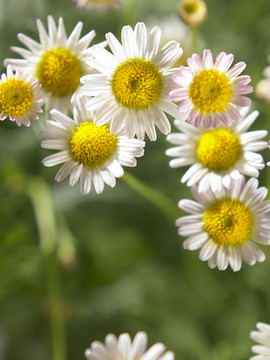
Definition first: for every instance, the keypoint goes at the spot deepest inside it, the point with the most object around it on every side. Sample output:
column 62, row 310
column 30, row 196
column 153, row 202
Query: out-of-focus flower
column 57, row 62
column 88, row 151
column 133, row 82
column 192, row 12
column 20, row 98
column 102, row 5
column 262, row 89
column 124, row 348
column 262, row 337
column 210, row 91
column 217, row 155
column 226, row 224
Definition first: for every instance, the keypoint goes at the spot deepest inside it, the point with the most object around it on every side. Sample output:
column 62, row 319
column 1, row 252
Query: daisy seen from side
column 226, row 225
column 217, row 155
column 210, row 92
column 20, row 98
column 133, row 82
column 262, row 337
column 192, row 12
column 123, row 348
column 102, row 5
column 89, row 152
column 57, row 61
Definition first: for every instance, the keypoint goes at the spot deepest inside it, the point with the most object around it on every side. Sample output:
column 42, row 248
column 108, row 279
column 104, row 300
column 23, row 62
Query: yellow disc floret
column 191, row 6
column 16, row 97
column 59, row 71
column 210, row 91
column 228, row 222
column 219, row 149
column 92, row 145
column 137, row 83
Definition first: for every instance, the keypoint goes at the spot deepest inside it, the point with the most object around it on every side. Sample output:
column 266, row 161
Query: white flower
column 262, row 90
column 262, row 337
column 226, row 224
column 57, row 62
column 124, row 348
column 20, row 98
column 102, row 5
column 217, row 155
column 210, row 92
column 88, row 151
column 133, row 83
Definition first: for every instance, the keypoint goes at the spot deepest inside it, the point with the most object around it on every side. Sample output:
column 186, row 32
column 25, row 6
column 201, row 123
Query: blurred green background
column 119, row 265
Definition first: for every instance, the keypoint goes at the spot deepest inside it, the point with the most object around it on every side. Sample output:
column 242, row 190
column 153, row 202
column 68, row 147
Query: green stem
column 194, row 39
column 164, row 204
column 41, row 199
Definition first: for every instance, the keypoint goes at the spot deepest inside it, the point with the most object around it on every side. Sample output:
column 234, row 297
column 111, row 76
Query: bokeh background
column 80, row 267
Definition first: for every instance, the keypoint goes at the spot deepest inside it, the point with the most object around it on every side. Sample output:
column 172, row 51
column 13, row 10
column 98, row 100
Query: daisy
column 133, row 82
column 262, row 90
column 262, row 337
column 217, row 155
column 210, row 91
column 192, row 12
column 57, row 62
column 124, row 348
column 102, row 5
column 88, row 151
column 19, row 97
column 226, row 224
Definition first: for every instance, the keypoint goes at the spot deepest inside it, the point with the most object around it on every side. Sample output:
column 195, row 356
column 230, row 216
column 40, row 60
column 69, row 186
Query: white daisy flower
column 192, row 12
column 210, row 92
column 262, row 90
column 133, row 83
column 123, row 348
column 102, row 5
column 88, row 151
column 217, row 155
column 57, row 62
column 20, row 98
column 226, row 224
column 262, row 337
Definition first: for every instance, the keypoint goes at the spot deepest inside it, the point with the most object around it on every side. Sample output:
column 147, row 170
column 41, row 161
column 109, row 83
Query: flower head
column 89, row 152
column 262, row 337
column 226, row 224
column 123, row 348
column 102, row 5
column 192, row 12
column 210, row 92
column 133, row 82
column 19, row 97
column 262, row 90
column 217, row 155
column 57, row 62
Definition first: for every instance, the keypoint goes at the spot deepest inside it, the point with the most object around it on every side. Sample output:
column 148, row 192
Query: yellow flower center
column 137, row 83
column 210, row 91
column 16, row 97
column 191, row 6
column 228, row 222
column 92, row 145
column 59, row 71
column 219, row 149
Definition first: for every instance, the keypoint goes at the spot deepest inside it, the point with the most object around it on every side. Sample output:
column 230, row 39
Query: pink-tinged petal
column 234, row 113
column 207, row 59
column 236, row 70
column 241, row 100
column 223, row 61
column 184, row 105
column 242, row 80
column 225, row 118
column 195, row 63
column 178, row 94
column 198, row 121
column 184, row 77
column 242, row 89
column 191, row 117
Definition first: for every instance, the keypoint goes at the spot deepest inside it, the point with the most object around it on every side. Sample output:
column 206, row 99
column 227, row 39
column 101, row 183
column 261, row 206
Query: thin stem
column 194, row 39
column 164, row 204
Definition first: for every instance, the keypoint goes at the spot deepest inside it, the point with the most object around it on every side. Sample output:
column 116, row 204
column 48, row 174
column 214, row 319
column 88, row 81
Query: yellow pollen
column 16, row 97
column 210, row 91
column 92, row 145
column 59, row 71
column 219, row 149
column 191, row 6
column 228, row 222
column 137, row 83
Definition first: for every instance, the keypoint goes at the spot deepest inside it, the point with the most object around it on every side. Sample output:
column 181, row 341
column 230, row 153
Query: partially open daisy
column 217, row 155
column 192, row 12
column 20, row 98
column 210, row 92
column 102, row 5
column 123, row 348
column 262, row 337
column 226, row 224
column 133, row 83
column 88, row 151
column 57, row 62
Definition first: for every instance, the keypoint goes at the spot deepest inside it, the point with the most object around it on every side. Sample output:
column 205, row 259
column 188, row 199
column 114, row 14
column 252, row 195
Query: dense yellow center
column 191, row 6
column 92, row 145
column 210, row 91
column 59, row 71
column 219, row 149
column 16, row 97
column 228, row 222
column 137, row 84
